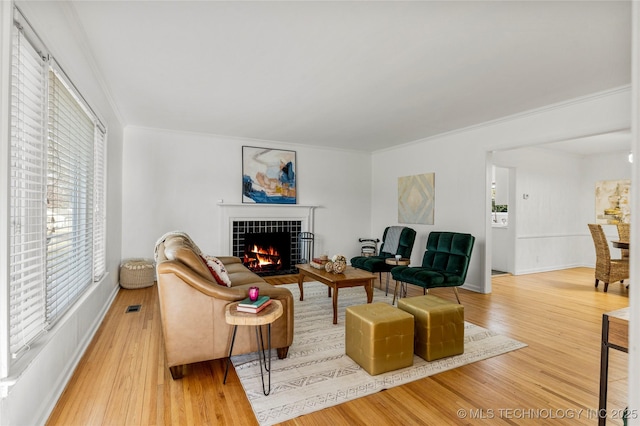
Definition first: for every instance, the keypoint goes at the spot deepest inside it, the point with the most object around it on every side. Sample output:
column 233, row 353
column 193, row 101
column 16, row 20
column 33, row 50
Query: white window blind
column 99, row 211
column 57, row 197
column 27, row 245
column 70, row 192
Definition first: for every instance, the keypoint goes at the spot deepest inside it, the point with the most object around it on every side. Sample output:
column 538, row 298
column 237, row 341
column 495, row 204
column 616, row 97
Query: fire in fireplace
column 267, row 252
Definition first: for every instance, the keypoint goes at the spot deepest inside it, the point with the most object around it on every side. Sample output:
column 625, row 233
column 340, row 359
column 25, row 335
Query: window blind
column 70, row 192
column 57, row 202
column 99, row 211
column 27, row 233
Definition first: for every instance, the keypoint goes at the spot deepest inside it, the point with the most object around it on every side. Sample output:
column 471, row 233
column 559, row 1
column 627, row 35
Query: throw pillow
column 218, row 270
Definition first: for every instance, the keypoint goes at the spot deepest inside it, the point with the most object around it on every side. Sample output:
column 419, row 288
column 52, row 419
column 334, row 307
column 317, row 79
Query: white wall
column 31, row 391
column 461, row 164
column 173, row 181
column 551, row 231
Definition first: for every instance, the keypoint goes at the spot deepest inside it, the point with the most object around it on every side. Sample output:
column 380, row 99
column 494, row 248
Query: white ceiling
column 359, row 75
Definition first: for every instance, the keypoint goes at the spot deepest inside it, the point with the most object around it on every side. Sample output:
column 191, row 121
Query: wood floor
column 122, row 379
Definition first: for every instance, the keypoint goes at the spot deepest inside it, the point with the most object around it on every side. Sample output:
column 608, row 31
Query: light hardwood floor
column 122, row 380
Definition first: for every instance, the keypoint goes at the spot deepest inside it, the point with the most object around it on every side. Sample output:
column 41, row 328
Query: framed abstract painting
column 416, row 199
column 268, row 176
column 612, row 201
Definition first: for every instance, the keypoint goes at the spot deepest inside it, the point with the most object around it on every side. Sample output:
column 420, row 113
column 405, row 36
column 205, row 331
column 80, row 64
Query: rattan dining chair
column 624, row 235
column 608, row 270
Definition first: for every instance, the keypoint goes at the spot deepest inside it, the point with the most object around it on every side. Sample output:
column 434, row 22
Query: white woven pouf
column 137, row 273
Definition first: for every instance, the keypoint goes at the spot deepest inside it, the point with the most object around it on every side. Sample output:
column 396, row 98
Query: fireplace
column 267, row 247
column 267, row 252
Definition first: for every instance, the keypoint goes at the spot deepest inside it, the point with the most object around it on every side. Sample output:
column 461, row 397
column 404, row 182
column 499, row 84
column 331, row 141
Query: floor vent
column 133, row 308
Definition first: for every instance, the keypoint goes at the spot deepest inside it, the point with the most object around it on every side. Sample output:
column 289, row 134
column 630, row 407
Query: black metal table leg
column 262, row 357
column 233, row 339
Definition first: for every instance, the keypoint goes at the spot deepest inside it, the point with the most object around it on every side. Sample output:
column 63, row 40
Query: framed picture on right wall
column 612, row 201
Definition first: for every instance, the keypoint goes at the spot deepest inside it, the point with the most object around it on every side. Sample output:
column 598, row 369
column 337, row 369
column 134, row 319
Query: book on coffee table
column 253, row 310
column 247, row 303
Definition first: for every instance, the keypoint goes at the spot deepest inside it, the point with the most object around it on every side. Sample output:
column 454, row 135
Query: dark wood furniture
column 620, row 244
column 351, row 277
column 615, row 335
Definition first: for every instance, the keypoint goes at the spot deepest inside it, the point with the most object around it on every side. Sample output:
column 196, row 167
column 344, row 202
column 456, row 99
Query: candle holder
column 254, row 293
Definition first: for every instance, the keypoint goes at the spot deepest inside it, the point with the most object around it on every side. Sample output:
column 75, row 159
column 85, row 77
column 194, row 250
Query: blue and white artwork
column 268, row 176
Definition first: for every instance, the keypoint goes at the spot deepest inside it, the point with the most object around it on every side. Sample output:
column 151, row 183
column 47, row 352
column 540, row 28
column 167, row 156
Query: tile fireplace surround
column 230, row 213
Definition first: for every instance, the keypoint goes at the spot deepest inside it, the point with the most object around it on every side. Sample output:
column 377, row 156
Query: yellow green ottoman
column 379, row 337
column 439, row 326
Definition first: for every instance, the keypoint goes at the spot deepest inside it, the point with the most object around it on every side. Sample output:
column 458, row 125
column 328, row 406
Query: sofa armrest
column 201, row 284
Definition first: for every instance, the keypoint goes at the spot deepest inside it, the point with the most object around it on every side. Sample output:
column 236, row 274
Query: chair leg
column 606, row 287
column 386, row 292
column 597, row 282
column 455, row 290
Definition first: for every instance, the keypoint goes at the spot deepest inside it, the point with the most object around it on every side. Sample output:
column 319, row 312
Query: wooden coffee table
column 351, row 277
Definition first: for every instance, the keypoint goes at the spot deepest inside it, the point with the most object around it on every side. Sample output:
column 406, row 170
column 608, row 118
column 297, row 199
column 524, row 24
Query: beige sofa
column 192, row 305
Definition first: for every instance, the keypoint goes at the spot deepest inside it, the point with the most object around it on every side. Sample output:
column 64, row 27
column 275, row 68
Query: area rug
column 317, row 374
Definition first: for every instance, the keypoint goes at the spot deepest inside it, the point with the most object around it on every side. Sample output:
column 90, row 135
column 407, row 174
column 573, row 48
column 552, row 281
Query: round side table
column 403, row 261
column 265, row 317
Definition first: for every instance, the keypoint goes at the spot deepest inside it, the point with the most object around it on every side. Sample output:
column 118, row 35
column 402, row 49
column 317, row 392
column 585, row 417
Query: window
column 57, row 195
column 26, row 196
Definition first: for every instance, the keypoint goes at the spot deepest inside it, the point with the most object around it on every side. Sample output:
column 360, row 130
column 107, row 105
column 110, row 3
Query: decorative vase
column 254, row 293
column 339, row 266
column 328, row 266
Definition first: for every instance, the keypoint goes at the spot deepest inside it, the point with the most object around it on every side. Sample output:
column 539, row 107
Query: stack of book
column 254, row 307
column 318, row 262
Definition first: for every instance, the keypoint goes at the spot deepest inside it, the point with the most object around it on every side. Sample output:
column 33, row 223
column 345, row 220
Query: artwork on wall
column 416, row 199
column 268, row 175
column 612, row 201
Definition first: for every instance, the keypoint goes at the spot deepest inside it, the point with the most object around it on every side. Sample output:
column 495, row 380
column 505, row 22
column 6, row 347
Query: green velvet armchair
column 395, row 240
column 444, row 263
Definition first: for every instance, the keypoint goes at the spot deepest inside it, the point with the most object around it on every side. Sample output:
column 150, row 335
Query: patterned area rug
column 317, row 374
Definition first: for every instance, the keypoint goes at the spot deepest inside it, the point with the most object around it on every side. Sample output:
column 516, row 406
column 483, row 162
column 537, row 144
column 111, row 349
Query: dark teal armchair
column 395, row 240
column 444, row 263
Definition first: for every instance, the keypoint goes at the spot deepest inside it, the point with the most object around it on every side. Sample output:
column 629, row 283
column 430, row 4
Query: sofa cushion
column 372, row 263
column 217, row 269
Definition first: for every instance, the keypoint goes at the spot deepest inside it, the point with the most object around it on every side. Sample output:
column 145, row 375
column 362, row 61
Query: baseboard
column 473, row 287
column 549, row 269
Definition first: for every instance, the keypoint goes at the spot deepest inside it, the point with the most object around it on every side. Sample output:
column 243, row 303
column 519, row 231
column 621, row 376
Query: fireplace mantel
column 230, row 212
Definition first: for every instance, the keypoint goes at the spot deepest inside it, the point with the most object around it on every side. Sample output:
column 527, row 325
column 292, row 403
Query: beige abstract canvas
column 416, row 199
column 612, row 201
